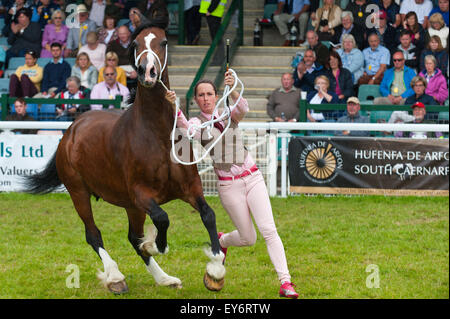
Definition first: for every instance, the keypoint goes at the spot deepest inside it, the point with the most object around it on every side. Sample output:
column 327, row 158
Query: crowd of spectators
column 86, row 31
column 400, row 46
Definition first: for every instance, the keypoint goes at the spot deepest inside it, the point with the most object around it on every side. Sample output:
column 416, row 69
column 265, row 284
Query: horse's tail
column 45, row 181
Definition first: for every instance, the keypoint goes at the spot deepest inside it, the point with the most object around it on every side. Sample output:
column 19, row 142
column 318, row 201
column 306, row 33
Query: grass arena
column 337, row 247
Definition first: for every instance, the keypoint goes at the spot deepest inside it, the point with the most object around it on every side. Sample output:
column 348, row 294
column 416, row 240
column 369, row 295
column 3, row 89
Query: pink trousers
column 246, row 197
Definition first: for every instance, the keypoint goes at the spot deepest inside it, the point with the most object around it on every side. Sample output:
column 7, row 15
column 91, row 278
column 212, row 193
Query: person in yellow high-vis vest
column 213, row 10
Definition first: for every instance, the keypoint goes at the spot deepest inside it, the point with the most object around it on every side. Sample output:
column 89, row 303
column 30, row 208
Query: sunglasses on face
column 398, row 60
column 109, row 74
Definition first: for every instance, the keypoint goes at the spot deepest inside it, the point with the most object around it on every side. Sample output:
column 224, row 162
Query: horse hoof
column 213, row 284
column 118, row 288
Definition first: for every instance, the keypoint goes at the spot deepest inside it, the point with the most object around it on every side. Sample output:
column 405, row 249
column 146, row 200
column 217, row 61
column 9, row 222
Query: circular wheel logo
column 321, row 163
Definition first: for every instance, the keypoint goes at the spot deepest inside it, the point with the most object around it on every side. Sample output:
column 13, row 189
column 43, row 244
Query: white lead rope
column 193, row 128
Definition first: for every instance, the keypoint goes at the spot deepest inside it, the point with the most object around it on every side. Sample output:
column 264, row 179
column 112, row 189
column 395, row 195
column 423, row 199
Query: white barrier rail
column 10, row 125
column 282, row 130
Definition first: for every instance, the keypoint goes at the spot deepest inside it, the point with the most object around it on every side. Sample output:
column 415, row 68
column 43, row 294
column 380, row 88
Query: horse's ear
column 131, row 50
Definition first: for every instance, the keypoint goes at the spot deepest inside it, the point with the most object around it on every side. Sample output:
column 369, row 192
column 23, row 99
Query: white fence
column 261, row 140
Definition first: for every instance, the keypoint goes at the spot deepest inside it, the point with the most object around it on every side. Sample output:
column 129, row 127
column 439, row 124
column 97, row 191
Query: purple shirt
column 51, row 36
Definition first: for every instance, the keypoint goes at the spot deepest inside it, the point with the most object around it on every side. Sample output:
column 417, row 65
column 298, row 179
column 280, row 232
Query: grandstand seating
column 368, row 92
column 15, row 62
column 4, row 85
column 269, row 9
column 47, row 112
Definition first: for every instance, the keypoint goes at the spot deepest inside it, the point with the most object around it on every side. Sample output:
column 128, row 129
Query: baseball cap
column 81, row 8
column 353, row 99
column 418, row 104
column 382, row 14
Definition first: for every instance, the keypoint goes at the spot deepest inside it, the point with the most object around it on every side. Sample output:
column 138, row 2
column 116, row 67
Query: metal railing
column 238, row 41
column 6, row 101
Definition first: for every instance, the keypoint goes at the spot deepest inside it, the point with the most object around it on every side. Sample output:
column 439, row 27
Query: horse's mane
column 132, row 96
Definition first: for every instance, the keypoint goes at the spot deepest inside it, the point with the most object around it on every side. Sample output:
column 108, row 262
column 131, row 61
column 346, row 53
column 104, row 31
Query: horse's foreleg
column 112, row 278
column 156, row 243
column 215, row 271
column 136, row 220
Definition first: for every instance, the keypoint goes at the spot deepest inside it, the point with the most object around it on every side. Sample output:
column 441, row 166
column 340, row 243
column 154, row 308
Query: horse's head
column 148, row 53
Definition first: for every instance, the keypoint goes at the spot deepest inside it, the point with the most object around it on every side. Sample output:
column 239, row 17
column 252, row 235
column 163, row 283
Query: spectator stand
column 15, row 62
column 47, row 109
column 377, row 114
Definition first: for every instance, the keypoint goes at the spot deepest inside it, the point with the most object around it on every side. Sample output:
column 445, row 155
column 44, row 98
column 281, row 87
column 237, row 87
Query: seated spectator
column 85, row 71
column 410, row 51
column 283, row 104
column 24, row 36
column 55, row 74
column 411, row 23
column 438, row 27
column 386, row 33
column 307, row 71
column 12, row 8
column 320, row 95
column 353, row 116
column 54, row 32
column 77, row 36
column 421, row 7
column 359, row 10
column 322, row 52
column 419, row 112
column 112, row 59
column 108, row 32
column 435, row 49
column 135, row 19
column 155, row 9
column 325, row 19
column 395, row 86
column 20, row 106
column 348, row 27
column 108, row 89
column 392, row 10
column 436, row 82
column 419, row 85
column 441, row 8
column 97, row 12
column 352, row 58
column 282, row 17
column 120, row 46
column 43, row 11
column 340, row 78
column 95, row 50
column 376, row 60
column 26, row 82
column 68, row 112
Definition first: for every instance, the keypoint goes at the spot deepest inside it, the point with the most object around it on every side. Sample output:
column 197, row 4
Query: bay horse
column 124, row 158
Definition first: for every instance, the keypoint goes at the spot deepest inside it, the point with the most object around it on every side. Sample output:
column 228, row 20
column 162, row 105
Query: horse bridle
column 148, row 39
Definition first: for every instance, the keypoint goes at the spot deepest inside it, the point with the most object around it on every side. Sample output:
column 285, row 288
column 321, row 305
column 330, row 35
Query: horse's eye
column 164, row 43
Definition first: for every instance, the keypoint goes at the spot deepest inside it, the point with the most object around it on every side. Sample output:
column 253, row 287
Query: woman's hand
column 229, row 79
column 171, row 96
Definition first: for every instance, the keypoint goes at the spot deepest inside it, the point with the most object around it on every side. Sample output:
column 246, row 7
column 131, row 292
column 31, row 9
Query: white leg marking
column 111, row 273
column 215, row 268
column 161, row 277
column 148, row 243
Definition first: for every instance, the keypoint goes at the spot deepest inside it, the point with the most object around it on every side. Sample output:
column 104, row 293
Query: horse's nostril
column 153, row 72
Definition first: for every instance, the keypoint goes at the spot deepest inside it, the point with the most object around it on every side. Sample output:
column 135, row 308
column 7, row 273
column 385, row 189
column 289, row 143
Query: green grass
column 329, row 242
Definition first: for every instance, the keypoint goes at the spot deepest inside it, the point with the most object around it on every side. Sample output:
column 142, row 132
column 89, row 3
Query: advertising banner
column 23, row 155
column 332, row 165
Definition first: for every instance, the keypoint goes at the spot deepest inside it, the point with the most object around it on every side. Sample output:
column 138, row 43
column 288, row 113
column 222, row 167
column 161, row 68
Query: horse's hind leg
column 112, row 278
column 136, row 220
